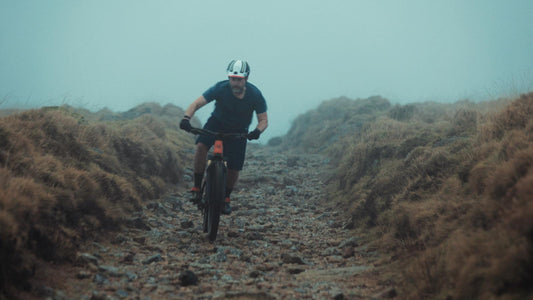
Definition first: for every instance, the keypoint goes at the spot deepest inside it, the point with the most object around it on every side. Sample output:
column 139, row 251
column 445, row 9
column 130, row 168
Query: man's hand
column 185, row 124
column 254, row 135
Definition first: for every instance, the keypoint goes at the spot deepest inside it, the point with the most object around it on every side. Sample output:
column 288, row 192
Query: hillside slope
column 446, row 188
column 67, row 174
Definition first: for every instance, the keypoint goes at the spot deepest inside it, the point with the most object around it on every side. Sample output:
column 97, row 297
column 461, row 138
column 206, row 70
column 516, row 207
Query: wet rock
column 138, row 223
column 295, row 270
column 122, row 294
column 159, row 209
column 98, row 295
column 334, row 224
column 219, row 257
column 387, row 294
column 256, row 274
column 153, row 258
column 44, row 291
column 291, row 190
column 187, row 278
column 140, row 239
column 339, row 297
column 187, row 224
column 229, row 250
column 330, row 251
column 260, row 228
column 254, row 236
column 83, row 275
column 86, row 258
column 292, row 259
column 292, row 161
column 119, row 239
column 131, row 276
column 100, row 279
column 265, row 267
column 348, row 252
column 110, row 271
column 351, row 242
column 233, row 234
column 128, row 257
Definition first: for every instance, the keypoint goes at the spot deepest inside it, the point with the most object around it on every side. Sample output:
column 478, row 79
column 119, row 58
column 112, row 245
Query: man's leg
column 199, row 163
column 233, row 176
column 199, row 167
column 231, row 179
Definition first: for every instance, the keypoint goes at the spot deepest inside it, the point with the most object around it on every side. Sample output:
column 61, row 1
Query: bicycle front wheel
column 215, row 200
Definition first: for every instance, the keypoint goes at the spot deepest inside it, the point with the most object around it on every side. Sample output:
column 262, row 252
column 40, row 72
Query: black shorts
column 234, row 149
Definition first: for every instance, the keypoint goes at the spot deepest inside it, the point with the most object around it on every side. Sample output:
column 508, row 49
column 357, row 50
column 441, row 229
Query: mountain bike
column 213, row 188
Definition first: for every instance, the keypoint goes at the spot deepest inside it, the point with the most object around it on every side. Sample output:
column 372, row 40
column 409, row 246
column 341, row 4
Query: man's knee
column 201, row 148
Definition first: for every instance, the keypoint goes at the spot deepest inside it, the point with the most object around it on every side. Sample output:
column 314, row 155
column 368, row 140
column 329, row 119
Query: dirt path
column 280, row 242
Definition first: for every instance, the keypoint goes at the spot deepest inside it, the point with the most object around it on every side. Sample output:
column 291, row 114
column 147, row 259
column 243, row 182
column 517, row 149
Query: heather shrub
column 65, row 176
column 445, row 188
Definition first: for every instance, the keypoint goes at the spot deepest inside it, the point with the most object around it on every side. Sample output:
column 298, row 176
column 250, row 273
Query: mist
column 118, row 54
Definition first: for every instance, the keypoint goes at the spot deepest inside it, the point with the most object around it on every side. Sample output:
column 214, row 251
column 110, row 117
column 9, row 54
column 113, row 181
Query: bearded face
column 237, row 85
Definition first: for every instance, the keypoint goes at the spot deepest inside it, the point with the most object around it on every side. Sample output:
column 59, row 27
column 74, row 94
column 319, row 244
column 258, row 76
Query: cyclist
column 236, row 100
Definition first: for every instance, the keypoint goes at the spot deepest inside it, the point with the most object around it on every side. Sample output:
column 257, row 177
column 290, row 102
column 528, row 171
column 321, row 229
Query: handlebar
column 218, row 135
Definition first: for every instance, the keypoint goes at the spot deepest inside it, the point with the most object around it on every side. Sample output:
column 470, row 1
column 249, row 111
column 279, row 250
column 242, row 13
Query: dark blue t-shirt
column 234, row 113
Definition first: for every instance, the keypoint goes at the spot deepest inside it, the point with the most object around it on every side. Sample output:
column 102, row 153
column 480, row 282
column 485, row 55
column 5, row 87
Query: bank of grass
column 68, row 174
column 446, row 189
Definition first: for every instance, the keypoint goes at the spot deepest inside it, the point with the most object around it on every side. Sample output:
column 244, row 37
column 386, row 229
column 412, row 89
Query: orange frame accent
column 218, row 147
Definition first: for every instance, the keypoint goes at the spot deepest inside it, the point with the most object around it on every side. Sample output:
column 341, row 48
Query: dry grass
column 65, row 176
column 448, row 189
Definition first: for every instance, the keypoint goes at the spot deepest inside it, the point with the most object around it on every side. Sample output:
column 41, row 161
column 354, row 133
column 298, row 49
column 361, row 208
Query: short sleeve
column 211, row 93
column 261, row 106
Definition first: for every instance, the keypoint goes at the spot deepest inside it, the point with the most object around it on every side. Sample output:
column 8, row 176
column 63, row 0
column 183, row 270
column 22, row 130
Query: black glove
column 185, row 124
column 253, row 135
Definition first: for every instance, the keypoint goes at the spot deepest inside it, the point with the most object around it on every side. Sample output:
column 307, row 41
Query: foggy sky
column 118, row 54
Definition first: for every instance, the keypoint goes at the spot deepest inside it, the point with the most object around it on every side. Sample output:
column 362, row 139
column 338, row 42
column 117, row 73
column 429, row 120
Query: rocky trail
column 282, row 241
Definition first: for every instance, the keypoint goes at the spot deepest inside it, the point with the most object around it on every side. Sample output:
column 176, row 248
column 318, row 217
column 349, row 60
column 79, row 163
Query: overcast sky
column 118, row 54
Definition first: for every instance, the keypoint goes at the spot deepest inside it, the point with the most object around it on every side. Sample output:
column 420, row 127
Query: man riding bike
column 236, row 100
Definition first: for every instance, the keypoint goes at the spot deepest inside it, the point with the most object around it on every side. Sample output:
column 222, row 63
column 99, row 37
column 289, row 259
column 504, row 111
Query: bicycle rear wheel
column 215, row 200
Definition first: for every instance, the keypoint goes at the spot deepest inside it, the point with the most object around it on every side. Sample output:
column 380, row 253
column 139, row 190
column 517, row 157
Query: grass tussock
column 447, row 188
column 68, row 174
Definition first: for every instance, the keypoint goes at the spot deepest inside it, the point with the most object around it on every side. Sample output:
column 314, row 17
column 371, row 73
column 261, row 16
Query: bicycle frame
column 214, row 185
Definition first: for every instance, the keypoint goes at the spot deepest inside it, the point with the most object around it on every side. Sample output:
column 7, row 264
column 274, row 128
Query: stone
column 83, row 275
column 187, row 224
column 339, row 297
column 119, row 239
column 348, row 252
column 139, row 224
column 128, row 257
column 254, row 236
column 351, row 242
column 100, row 279
column 292, row 259
column 110, row 271
column 187, row 278
column 140, row 239
column 153, row 258
column 122, row 294
column 86, row 258
column 295, row 270
column 389, row 293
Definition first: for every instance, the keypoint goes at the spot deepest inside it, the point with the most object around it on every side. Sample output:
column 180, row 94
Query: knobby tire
column 215, row 199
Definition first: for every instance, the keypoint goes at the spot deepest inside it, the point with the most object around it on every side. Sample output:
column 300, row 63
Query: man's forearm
column 262, row 125
column 195, row 106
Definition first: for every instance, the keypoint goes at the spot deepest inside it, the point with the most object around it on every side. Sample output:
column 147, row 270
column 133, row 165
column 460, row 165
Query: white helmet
column 238, row 68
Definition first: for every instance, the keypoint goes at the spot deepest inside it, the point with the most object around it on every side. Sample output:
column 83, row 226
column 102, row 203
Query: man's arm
column 197, row 104
column 262, row 121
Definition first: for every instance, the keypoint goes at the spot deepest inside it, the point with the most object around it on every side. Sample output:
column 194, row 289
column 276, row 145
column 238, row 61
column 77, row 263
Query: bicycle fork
column 218, row 151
